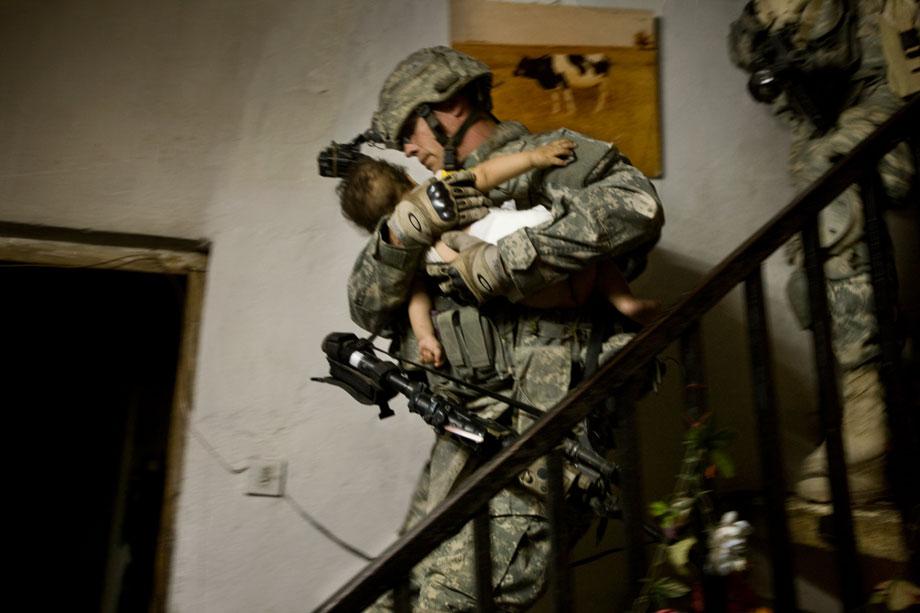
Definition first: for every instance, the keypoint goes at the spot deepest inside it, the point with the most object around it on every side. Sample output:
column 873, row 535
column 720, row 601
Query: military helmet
column 429, row 75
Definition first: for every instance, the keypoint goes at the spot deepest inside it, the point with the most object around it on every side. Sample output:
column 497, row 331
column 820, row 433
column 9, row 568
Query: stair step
column 878, row 528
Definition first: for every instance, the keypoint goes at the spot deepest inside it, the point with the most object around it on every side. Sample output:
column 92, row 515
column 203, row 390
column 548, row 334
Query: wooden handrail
column 544, row 434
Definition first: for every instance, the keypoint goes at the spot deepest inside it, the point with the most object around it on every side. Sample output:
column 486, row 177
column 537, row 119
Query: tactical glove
column 435, row 207
column 476, row 275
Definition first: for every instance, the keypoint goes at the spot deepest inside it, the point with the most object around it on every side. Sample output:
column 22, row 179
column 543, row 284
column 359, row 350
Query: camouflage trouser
column 854, row 330
column 841, row 223
column 445, row 580
column 520, row 537
column 822, row 44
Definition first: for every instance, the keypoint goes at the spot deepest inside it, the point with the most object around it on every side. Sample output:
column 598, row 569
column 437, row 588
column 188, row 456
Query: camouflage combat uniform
column 530, row 353
column 867, row 102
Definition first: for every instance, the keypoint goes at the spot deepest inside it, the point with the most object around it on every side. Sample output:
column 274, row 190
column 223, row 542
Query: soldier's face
column 422, row 144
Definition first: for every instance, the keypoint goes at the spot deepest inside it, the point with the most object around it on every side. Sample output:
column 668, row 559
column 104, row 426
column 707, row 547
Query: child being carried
column 373, row 188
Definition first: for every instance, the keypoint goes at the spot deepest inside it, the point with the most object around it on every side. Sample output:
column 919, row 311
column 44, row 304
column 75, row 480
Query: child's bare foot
column 640, row 310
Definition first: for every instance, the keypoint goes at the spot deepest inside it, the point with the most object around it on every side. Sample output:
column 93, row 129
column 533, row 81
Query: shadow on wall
column 601, row 584
column 726, row 367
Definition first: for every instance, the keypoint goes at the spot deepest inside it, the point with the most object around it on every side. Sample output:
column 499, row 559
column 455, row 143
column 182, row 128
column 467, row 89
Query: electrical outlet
column 266, row 478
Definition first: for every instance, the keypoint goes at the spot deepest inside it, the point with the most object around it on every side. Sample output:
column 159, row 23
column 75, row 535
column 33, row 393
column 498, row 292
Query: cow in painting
column 560, row 73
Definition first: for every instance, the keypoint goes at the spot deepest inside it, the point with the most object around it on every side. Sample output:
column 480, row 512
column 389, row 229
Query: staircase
column 743, row 267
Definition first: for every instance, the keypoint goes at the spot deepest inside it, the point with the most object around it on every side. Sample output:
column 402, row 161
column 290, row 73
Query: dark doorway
column 91, row 359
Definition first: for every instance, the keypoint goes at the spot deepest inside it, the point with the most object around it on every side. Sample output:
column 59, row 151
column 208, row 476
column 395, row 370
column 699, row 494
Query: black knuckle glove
column 455, row 287
column 425, row 213
column 471, row 204
column 460, row 178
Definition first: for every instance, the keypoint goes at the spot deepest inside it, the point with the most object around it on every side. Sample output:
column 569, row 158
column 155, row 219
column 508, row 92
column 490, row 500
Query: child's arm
column 429, row 348
column 493, row 172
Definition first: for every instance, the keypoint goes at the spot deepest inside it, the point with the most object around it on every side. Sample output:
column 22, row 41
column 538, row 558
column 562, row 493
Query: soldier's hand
column 472, row 204
column 476, row 275
column 435, row 207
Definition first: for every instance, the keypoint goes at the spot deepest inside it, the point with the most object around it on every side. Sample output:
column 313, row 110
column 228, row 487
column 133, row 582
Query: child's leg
column 612, row 284
column 555, row 296
column 566, row 294
column 447, row 254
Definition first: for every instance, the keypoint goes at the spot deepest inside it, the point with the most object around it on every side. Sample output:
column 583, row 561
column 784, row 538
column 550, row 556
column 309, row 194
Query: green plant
column 689, row 506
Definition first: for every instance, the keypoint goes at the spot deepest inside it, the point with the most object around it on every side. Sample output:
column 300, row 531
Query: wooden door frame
column 69, row 248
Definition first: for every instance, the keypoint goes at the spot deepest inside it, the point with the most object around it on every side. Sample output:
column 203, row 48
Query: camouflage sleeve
column 615, row 215
column 380, row 281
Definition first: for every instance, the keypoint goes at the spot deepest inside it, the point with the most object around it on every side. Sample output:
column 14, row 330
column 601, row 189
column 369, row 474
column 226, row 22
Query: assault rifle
column 372, row 381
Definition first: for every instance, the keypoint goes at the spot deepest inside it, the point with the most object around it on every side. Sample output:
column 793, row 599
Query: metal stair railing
column 743, row 266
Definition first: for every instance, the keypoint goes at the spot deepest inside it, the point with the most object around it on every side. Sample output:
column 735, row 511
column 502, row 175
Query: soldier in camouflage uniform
column 836, row 96
column 436, row 106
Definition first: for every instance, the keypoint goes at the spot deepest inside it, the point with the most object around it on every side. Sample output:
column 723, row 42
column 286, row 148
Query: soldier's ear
column 452, row 113
column 458, row 106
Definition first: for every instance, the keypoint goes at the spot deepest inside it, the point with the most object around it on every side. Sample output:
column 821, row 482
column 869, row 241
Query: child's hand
column 557, row 153
column 430, row 351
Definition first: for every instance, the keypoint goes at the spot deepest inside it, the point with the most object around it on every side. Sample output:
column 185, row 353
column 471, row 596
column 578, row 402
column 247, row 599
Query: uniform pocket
column 542, row 374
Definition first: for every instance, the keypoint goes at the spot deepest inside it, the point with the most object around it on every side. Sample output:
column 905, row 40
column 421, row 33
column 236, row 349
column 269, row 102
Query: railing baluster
column 482, row 548
column 697, row 403
column 831, row 415
column 771, row 461
column 904, row 457
column 913, row 142
column 631, row 488
column 560, row 573
column 401, row 596
column 691, row 352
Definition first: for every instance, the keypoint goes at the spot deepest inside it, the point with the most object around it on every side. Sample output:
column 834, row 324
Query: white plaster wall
column 203, row 118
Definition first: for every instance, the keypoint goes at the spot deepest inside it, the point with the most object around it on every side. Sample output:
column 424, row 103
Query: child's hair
column 371, row 189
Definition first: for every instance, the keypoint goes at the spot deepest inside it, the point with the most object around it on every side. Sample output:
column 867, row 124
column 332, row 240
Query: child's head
column 371, row 189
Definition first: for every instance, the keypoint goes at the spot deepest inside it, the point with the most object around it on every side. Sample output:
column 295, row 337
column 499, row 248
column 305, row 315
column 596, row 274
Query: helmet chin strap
column 450, row 143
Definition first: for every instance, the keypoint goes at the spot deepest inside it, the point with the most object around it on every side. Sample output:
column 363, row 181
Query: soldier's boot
column 865, row 436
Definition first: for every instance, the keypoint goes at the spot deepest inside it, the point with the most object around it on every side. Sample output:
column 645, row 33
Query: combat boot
column 865, row 436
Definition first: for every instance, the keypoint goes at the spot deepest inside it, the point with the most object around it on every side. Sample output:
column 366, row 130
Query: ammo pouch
column 542, row 379
column 901, row 45
column 472, row 346
column 536, row 477
column 846, row 265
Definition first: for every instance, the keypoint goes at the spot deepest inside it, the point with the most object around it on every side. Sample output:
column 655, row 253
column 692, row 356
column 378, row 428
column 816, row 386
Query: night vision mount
column 338, row 158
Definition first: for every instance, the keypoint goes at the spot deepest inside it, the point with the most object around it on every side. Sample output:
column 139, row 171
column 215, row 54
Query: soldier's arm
column 618, row 214
column 380, row 281
column 602, row 207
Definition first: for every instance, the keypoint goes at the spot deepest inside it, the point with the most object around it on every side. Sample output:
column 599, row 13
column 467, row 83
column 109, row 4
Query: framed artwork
column 592, row 70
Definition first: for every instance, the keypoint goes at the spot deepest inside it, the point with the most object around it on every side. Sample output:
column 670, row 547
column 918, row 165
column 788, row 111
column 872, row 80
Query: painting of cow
column 560, row 73
column 590, row 69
